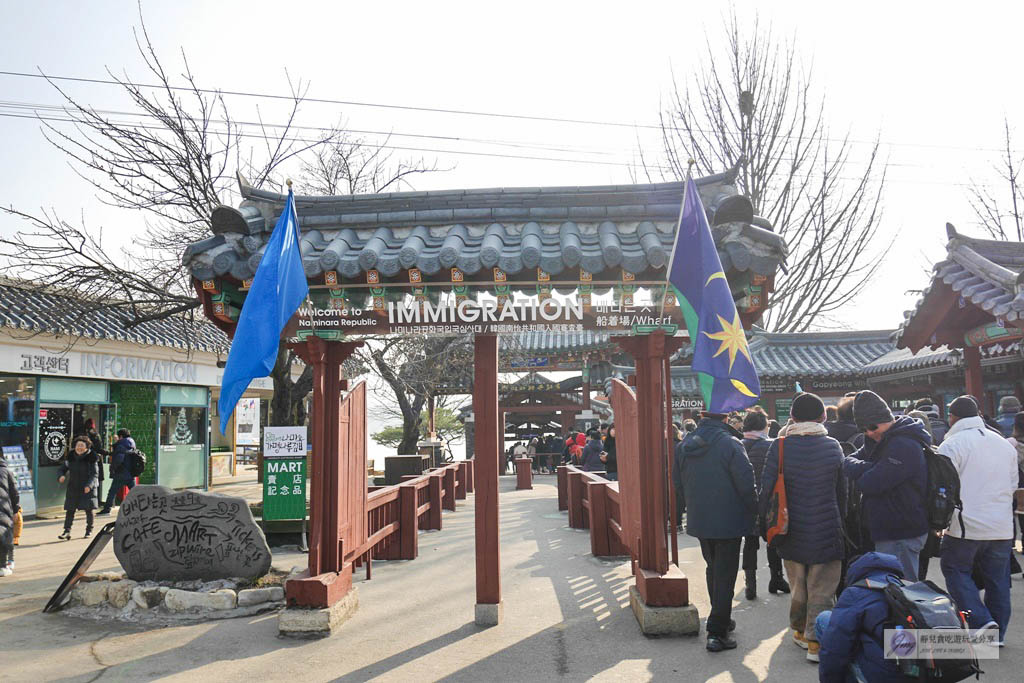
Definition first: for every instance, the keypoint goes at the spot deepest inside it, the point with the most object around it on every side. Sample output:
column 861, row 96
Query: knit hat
column 964, row 406
column 870, row 409
column 1009, row 404
column 806, row 408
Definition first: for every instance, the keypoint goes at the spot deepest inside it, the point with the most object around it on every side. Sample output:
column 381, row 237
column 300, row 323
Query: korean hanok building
column 964, row 333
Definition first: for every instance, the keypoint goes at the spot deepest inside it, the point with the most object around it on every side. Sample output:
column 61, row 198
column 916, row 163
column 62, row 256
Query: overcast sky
column 934, row 82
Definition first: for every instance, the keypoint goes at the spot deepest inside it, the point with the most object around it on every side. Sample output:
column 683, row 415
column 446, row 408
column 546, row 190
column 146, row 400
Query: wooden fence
column 593, row 503
column 396, row 514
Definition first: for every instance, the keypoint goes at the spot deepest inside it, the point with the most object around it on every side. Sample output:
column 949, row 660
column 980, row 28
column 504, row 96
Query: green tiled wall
column 136, row 411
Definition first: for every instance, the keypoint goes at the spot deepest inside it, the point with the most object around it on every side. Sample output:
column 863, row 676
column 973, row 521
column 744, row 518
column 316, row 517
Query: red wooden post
column 448, row 477
column 597, row 496
column 673, row 534
column 436, row 492
column 657, row 584
column 524, row 474
column 408, row 525
column 562, row 475
column 460, row 480
column 487, row 447
column 469, row 476
column 972, row 358
column 575, row 489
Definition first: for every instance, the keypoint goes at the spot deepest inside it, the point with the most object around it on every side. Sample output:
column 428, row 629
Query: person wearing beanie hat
column 890, row 471
column 812, row 549
column 1009, row 406
column 980, row 537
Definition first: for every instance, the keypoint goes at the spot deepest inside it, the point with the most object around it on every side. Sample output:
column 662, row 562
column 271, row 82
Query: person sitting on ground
column 891, row 474
column 851, row 634
column 812, row 548
column 756, row 443
column 120, row 468
column 980, row 537
column 591, row 457
column 721, row 499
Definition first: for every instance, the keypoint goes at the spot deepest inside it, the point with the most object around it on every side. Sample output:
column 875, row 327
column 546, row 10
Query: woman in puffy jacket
column 80, row 471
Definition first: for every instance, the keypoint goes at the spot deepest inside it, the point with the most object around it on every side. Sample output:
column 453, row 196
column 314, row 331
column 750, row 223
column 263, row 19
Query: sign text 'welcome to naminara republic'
column 488, row 316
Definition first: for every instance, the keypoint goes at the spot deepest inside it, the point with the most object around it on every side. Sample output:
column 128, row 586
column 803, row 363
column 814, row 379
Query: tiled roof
column 985, row 273
column 553, row 342
column 32, row 311
column 940, row 359
column 595, row 228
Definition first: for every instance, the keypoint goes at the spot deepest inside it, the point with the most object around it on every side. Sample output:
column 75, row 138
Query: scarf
column 756, row 435
column 804, row 429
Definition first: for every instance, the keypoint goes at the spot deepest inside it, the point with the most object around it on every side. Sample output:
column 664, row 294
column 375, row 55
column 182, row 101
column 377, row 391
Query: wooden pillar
column 657, row 582
column 972, row 361
column 408, row 521
column 460, row 481
column 449, row 488
column 489, row 444
column 586, row 393
column 597, row 495
column 435, row 490
column 562, row 474
column 524, row 474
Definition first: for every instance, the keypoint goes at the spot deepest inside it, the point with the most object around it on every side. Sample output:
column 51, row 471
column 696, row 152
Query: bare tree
column 350, row 165
column 172, row 161
column 990, row 208
column 752, row 104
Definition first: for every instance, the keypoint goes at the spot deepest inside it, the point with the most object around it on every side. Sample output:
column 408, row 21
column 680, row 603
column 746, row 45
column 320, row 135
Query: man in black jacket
column 120, row 468
column 756, row 443
column 721, row 502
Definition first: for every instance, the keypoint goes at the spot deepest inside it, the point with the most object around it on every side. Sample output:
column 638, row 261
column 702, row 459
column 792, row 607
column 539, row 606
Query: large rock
column 256, row 596
column 162, row 534
column 91, row 593
column 185, row 601
column 120, row 593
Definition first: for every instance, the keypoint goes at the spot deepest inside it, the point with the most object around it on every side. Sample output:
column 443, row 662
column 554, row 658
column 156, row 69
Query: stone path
column 566, row 617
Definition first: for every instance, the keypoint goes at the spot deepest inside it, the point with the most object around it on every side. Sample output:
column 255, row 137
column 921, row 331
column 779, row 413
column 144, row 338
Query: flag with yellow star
column 720, row 354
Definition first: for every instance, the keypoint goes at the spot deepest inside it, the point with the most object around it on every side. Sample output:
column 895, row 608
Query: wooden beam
column 487, row 449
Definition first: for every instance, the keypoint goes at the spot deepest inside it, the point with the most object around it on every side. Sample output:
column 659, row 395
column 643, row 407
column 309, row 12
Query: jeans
column 751, row 544
column 992, row 558
column 907, row 551
column 69, row 518
column 115, row 486
column 6, row 549
column 611, row 476
column 723, row 559
column 853, row 674
column 814, row 591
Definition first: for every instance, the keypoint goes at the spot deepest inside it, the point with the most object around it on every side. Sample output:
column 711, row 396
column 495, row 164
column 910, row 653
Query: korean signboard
column 284, row 473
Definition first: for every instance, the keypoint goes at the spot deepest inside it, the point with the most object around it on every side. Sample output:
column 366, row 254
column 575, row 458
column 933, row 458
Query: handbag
column 777, row 521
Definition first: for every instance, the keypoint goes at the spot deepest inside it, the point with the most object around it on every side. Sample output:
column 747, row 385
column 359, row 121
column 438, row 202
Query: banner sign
column 454, row 317
column 284, row 442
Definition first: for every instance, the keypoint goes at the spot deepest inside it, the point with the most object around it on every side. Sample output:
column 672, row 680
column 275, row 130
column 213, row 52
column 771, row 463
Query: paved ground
column 566, row 617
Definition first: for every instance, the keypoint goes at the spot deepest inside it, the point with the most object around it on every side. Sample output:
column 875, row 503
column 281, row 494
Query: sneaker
column 719, row 643
column 6, row 571
column 65, row 535
column 798, row 638
column 104, row 511
column 989, row 630
column 88, row 533
column 813, row 648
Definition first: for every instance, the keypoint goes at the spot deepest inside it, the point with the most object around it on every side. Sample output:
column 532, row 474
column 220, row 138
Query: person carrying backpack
column 892, row 476
column 981, row 536
column 120, row 467
column 851, row 634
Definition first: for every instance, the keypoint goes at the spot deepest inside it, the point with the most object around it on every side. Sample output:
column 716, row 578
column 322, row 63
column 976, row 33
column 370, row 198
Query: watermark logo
column 939, row 643
column 900, row 644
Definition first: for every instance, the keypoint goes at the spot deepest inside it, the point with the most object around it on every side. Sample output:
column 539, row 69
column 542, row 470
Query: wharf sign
column 487, row 316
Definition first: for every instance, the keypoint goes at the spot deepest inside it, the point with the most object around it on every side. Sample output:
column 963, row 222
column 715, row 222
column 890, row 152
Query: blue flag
column 720, row 355
column 278, row 288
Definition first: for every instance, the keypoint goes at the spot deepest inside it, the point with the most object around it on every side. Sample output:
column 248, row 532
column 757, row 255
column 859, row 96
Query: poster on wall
column 247, row 422
column 54, row 434
column 17, row 463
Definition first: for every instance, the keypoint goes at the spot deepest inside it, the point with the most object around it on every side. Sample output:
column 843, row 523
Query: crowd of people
column 860, row 504
column 592, row 451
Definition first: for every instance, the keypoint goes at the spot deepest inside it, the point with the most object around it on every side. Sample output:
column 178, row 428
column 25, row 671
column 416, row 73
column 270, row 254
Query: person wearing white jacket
column 987, row 465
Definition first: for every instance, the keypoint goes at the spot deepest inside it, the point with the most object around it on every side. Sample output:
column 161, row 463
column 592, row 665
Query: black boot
column 751, row 575
column 719, row 643
column 777, row 584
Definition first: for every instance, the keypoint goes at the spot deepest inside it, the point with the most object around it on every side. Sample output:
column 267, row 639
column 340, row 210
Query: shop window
column 182, row 426
column 17, row 414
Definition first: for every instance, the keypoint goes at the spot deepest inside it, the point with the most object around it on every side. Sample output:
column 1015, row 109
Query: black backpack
column 942, row 497
column 923, row 605
column 136, row 461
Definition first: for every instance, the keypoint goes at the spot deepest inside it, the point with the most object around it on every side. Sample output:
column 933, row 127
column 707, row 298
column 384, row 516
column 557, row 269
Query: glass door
column 55, row 427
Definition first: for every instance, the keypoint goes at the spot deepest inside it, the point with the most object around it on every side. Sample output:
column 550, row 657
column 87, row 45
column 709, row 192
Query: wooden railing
column 593, row 503
column 396, row 514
